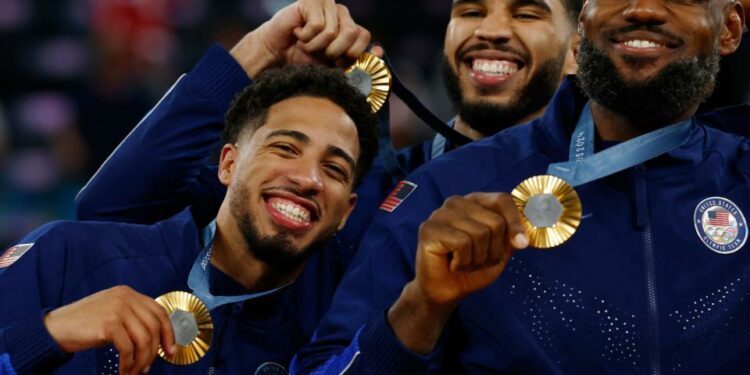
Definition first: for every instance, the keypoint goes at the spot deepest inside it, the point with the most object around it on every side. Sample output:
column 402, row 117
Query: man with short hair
column 654, row 280
column 297, row 143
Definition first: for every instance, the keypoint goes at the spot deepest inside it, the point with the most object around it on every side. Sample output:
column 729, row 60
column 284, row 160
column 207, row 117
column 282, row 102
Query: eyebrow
column 539, row 3
column 342, row 154
column 302, row 137
column 459, row 2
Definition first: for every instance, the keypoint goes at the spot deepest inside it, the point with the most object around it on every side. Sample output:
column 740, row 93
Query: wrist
column 420, row 300
column 53, row 328
column 252, row 54
column 417, row 321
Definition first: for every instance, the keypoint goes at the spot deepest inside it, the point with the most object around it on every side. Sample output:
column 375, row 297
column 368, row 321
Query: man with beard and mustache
column 653, row 280
column 78, row 297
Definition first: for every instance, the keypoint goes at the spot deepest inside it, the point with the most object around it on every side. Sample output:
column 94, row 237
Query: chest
column 656, row 276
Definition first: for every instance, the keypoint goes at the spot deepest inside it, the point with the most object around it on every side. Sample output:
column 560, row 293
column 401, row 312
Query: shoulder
column 734, row 119
column 97, row 241
column 497, row 161
column 727, row 133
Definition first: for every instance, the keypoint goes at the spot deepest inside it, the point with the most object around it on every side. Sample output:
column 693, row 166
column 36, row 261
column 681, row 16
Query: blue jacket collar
column 560, row 118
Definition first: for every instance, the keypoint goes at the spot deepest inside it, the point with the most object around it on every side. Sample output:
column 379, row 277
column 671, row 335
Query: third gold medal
column 371, row 77
column 551, row 210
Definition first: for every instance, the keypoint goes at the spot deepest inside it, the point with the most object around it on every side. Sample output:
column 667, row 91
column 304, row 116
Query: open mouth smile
column 291, row 211
column 492, row 67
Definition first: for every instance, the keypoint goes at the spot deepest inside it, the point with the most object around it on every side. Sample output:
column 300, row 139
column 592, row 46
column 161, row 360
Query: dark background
column 77, row 75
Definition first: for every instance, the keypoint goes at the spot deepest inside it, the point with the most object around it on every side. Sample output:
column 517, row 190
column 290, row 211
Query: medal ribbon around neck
column 198, row 279
column 585, row 166
column 550, row 205
column 189, row 313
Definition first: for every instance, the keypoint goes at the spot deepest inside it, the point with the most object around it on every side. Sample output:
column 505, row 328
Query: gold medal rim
column 570, row 219
column 381, row 78
column 194, row 351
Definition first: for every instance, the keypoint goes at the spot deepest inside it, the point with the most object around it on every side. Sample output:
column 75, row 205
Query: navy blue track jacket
column 638, row 289
column 71, row 260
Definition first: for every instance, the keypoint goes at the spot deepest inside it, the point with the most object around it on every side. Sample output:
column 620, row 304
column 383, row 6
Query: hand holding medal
column 190, row 315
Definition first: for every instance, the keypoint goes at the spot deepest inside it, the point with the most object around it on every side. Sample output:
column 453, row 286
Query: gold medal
column 371, row 77
column 192, row 325
column 551, row 210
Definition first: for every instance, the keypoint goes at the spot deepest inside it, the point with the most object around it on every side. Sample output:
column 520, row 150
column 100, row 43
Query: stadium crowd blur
column 77, row 75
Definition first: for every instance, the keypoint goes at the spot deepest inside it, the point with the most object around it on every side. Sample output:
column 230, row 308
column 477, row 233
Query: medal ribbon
column 198, row 279
column 425, row 114
column 585, row 166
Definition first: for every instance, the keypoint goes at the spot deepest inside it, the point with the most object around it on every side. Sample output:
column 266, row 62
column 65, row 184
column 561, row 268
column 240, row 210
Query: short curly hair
column 250, row 109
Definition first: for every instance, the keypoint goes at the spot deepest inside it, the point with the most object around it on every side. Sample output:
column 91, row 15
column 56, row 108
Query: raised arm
column 164, row 164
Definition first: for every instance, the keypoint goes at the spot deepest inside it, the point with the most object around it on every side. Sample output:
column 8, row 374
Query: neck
column 612, row 126
column 462, row 127
column 232, row 256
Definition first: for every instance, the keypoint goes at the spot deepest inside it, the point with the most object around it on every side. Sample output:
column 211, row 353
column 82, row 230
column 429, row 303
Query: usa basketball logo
column 720, row 225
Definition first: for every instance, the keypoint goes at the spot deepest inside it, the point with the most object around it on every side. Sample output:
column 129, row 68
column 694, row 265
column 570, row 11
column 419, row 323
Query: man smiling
column 297, row 143
column 654, row 280
column 503, row 60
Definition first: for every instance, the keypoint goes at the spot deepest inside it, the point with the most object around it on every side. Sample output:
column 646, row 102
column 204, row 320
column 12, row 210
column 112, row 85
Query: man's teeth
column 637, row 43
column 494, row 67
column 292, row 212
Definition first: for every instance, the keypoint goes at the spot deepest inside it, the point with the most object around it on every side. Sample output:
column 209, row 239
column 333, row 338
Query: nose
column 495, row 27
column 650, row 12
column 306, row 176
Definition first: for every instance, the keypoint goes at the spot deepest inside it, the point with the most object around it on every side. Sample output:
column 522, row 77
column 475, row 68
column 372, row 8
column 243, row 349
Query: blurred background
column 77, row 75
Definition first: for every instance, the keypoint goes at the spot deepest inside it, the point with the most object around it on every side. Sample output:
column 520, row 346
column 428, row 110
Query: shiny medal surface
column 371, row 77
column 551, row 210
column 192, row 324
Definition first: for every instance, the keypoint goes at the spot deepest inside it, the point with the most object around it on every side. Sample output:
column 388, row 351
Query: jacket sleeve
column 163, row 165
column 354, row 335
column 31, row 286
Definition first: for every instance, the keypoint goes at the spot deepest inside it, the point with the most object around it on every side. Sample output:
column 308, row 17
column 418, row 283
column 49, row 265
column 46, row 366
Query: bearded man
column 654, row 278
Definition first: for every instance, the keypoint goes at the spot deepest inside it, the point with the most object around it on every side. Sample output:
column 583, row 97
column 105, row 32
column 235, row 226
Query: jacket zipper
column 649, row 258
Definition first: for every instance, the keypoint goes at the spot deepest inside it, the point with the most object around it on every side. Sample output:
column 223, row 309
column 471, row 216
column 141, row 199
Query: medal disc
column 551, row 210
column 371, row 77
column 192, row 325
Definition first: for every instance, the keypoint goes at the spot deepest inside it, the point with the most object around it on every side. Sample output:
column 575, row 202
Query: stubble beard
column 276, row 250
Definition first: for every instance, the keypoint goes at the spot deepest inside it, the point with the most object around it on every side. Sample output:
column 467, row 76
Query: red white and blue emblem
column 398, row 195
column 13, row 254
column 720, row 225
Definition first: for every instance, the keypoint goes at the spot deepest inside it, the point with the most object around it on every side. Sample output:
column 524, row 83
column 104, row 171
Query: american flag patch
column 718, row 217
column 398, row 195
column 13, row 254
